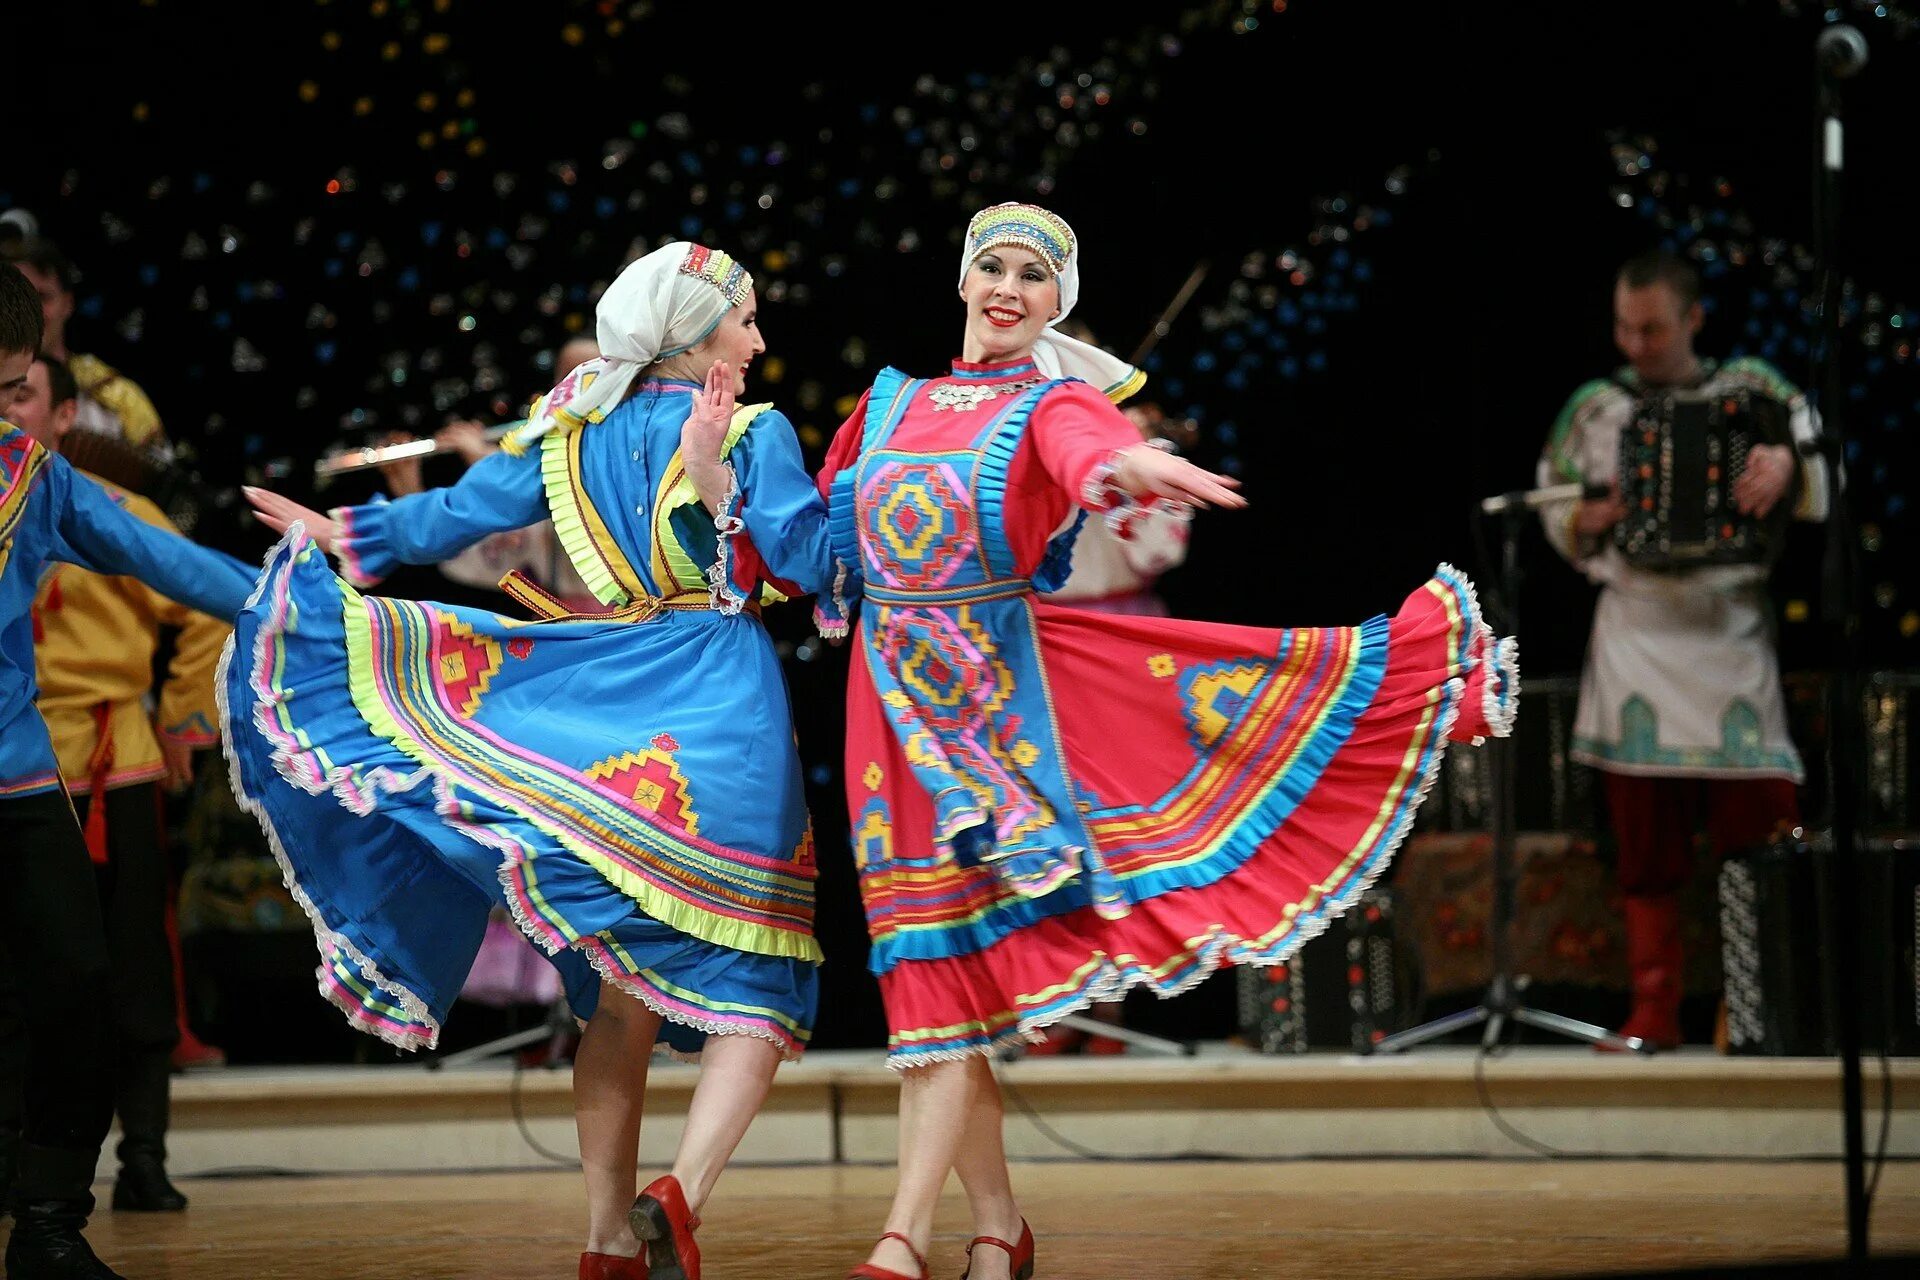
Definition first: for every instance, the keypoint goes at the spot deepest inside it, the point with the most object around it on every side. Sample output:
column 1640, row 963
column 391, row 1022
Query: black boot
column 141, row 1100
column 47, row 1244
column 142, row 1187
column 9, row 1161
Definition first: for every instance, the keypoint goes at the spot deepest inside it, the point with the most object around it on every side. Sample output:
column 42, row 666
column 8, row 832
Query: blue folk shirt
column 48, row 511
column 615, row 492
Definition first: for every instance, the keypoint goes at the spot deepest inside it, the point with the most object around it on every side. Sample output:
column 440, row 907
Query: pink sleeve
column 845, row 449
column 1075, row 432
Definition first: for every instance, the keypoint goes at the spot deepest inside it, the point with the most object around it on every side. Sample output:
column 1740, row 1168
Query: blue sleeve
column 95, row 533
column 498, row 493
column 780, row 506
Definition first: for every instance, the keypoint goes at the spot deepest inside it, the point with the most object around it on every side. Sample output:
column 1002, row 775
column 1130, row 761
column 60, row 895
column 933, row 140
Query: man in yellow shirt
column 94, row 643
column 109, row 401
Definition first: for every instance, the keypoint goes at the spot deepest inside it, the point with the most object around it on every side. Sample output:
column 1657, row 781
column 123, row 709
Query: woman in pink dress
column 1051, row 806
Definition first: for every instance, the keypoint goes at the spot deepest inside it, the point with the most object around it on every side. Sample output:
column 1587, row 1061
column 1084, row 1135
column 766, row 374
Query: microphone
column 1534, row 499
column 1841, row 50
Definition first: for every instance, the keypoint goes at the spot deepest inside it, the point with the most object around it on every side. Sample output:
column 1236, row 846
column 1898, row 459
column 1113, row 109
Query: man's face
column 56, row 303
column 33, row 410
column 1654, row 332
column 13, row 379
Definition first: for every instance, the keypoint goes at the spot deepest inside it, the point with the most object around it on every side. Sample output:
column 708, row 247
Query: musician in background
column 535, row 550
column 110, row 402
column 95, row 639
column 1680, row 702
column 1117, row 575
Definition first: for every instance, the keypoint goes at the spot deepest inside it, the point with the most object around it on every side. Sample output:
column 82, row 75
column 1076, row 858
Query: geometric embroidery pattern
column 922, row 529
column 950, row 662
column 464, row 664
column 652, row 780
column 1215, row 695
column 961, row 722
column 873, row 836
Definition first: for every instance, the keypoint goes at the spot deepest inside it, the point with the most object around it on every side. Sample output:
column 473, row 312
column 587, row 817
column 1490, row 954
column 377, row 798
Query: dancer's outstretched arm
column 499, row 492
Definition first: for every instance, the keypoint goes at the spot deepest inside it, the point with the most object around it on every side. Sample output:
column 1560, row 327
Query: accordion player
column 1680, row 678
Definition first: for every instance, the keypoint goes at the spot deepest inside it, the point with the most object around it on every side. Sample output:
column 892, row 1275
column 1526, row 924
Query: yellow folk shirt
column 113, row 402
column 94, row 643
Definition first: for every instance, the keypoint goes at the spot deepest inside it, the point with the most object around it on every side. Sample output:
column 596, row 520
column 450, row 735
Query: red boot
column 1655, row 965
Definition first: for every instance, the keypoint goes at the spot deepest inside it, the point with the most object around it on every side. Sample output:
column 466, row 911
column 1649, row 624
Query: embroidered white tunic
column 1681, row 676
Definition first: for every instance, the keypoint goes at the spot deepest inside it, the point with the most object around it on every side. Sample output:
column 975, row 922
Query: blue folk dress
column 624, row 783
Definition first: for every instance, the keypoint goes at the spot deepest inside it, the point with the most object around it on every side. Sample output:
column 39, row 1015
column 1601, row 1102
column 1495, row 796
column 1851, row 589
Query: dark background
column 302, row 223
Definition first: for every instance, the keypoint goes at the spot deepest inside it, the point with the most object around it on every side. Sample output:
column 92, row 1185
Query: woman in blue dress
column 624, row 783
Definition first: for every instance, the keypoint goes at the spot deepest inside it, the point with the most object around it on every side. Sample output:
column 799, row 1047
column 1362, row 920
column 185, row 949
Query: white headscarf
column 1047, row 235
column 661, row 305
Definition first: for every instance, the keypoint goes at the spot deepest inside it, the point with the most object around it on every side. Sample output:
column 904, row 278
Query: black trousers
column 56, row 1039
column 133, row 904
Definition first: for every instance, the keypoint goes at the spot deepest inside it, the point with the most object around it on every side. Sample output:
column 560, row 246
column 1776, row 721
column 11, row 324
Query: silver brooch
column 962, row 396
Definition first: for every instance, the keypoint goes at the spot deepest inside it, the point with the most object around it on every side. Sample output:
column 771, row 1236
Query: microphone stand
column 1838, row 53
column 1502, row 1000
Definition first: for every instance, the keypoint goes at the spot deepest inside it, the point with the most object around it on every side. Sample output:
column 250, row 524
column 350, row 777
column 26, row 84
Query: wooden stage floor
column 1313, row 1219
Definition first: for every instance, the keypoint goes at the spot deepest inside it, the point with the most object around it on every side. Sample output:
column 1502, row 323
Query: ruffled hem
column 726, row 596
column 790, row 1049
column 830, row 611
column 423, row 1029
column 399, row 1014
column 361, row 547
column 956, row 999
column 1107, row 981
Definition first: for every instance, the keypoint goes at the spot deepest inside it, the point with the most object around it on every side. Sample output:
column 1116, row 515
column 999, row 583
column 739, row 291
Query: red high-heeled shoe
column 869, row 1271
column 662, row 1221
column 1021, row 1254
column 609, row 1266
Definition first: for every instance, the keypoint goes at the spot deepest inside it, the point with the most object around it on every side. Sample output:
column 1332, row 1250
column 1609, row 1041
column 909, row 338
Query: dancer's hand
column 704, row 436
column 1146, row 471
column 278, row 513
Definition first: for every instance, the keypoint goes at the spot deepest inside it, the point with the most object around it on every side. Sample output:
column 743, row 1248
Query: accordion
column 154, row 470
column 1778, row 970
column 1679, row 459
column 1346, row 989
column 115, row 459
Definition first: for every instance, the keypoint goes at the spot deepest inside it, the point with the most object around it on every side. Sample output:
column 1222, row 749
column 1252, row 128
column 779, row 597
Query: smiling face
column 737, row 340
column 34, row 410
column 1010, row 294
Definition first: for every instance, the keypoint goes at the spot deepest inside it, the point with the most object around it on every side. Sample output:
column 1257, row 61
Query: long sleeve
column 1561, row 462
column 94, row 533
column 1077, row 433
column 836, row 603
column 783, row 513
column 1803, row 426
column 187, row 711
column 1814, row 500
column 497, row 493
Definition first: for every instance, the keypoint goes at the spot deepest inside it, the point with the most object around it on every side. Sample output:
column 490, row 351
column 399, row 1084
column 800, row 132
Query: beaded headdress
column 1026, row 226
column 718, row 269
